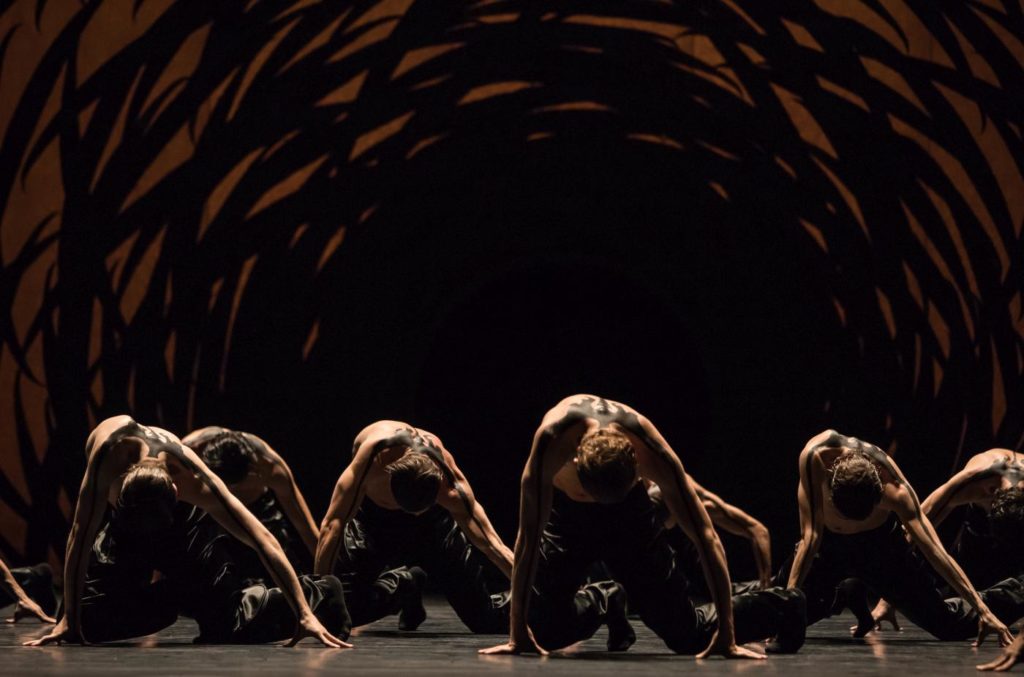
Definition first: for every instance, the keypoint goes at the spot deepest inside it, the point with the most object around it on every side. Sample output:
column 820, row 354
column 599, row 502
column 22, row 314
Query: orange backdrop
column 157, row 156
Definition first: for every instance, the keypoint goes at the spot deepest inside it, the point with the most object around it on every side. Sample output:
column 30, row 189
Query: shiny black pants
column 630, row 539
column 379, row 547
column 894, row 569
column 138, row 584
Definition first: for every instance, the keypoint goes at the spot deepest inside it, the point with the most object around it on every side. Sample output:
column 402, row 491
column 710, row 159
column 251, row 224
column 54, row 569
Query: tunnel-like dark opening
column 512, row 347
column 481, row 292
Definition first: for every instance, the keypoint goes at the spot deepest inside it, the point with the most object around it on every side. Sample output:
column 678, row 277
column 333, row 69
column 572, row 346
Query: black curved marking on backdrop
column 280, row 100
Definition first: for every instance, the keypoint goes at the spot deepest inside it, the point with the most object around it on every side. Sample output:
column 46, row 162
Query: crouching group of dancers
column 213, row 527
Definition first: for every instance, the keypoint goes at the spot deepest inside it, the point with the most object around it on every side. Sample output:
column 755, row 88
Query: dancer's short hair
column 415, row 481
column 606, row 465
column 230, row 455
column 856, row 487
column 1006, row 518
column 147, row 499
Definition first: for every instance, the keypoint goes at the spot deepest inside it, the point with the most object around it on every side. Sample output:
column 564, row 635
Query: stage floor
column 443, row 646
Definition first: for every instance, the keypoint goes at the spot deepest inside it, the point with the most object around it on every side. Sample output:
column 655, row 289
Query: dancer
column 38, row 580
column 596, row 453
column 853, row 499
column 991, row 538
column 989, row 545
column 261, row 479
column 161, row 551
column 422, row 517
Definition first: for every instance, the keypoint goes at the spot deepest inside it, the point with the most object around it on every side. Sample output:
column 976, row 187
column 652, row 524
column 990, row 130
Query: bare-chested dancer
column 134, row 576
column 853, row 499
column 260, row 478
column 39, row 579
column 421, row 514
column 990, row 541
column 598, row 455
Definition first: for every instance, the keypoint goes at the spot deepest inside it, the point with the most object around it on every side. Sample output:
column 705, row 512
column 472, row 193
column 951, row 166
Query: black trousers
column 138, row 584
column 37, row 582
column 892, row 568
column 983, row 558
column 630, row 539
column 688, row 560
column 380, row 545
column 268, row 511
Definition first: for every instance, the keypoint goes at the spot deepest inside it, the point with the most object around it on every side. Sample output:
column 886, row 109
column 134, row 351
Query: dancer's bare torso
column 822, row 451
column 393, row 440
column 580, row 415
column 123, row 442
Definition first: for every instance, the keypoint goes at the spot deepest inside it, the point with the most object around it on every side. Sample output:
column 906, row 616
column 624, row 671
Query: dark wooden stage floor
column 442, row 646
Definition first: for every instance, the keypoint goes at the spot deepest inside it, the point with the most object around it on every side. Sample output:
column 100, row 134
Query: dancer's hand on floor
column 1009, row 657
column 987, row 624
column 61, row 633
column 312, row 627
column 722, row 647
column 29, row 609
column 518, row 643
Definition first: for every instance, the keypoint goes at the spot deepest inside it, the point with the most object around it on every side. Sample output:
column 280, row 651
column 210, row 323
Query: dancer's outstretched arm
column 26, row 606
column 739, row 522
column 215, row 498
column 663, row 466
column 812, row 521
column 548, row 453
column 105, row 463
column 923, row 535
column 289, row 496
column 469, row 514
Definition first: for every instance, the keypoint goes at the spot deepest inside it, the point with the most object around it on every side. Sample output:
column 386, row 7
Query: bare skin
column 1010, row 657
column 377, row 446
column 982, row 476
column 26, row 606
column 268, row 471
column 735, row 521
column 195, row 484
column 552, row 464
column 817, row 514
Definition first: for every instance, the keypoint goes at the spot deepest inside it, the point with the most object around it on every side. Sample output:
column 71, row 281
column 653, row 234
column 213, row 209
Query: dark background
column 750, row 221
